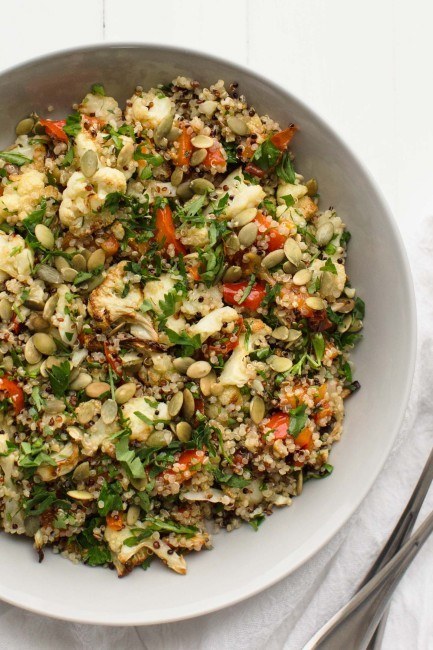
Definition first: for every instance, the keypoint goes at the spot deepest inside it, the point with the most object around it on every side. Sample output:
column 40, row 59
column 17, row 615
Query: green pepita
column 237, row 125
column 198, row 157
column 273, row 258
column 201, row 186
column 248, row 234
column 24, row 127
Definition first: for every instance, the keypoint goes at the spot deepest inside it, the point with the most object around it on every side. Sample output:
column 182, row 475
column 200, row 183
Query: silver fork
column 355, row 626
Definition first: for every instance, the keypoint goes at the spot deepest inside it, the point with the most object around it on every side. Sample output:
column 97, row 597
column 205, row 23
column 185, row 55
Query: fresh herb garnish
column 73, row 124
column 14, row 158
column 59, row 378
column 298, row 419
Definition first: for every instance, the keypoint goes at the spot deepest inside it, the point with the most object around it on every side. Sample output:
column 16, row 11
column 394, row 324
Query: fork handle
column 353, row 626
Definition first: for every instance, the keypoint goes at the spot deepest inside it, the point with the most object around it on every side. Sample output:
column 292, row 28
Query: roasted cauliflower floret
column 213, row 322
column 201, row 300
column 108, row 302
column 151, row 410
column 156, row 291
column 15, row 258
column 81, row 209
column 238, row 370
column 149, row 109
column 22, row 195
column 104, row 108
column 69, row 315
column 242, row 196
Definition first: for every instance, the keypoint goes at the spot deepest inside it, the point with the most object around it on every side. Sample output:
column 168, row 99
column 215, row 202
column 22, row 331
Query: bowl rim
column 329, row 530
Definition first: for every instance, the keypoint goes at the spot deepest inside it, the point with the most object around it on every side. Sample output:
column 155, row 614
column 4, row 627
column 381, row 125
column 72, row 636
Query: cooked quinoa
column 175, row 325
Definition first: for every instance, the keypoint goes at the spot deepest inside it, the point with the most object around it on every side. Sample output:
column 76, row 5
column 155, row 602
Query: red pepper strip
column 112, row 359
column 282, row 139
column 276, row 239
column 184, row 150
column 252, row 301
column 214, row 157
column 13, row 391
column 165, row 230
column 54, row 128
column 278, row 423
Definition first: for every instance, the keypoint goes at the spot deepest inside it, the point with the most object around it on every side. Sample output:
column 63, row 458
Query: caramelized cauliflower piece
column 149, row 109
column 213, row 322
column 15, row 258
column 151, row 410
column 238, row 371
column 106, row 109
column 22, row 195
column 107, row 303
column 81, row 209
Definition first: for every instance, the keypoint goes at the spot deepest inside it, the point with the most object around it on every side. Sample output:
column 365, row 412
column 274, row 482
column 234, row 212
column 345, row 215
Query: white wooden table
column 364, row 66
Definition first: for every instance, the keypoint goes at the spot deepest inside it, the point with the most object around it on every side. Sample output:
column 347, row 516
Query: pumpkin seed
column 294, row 335
column 201, row 186
column 216, row 389
column 279, row 364
column 48, row 274
column 273, row 258
column 183, row 431
column 60, row 263
column 86, row 412
column 237, row 125
column 302, row 277
column 81, row 472
column 312, row 187
column 50, row 307
column 281, row 333
column 89, row 163
column 132, row 515
column 183, row 191
column 44, row 343
column 44, row 236
column 188, row 407
column 244, row 217
column 31, row 525
column 202, row 142
column 315, row 303
column 125, row 392
column 292, row 251
column 177, row 177
column 206, row 383
column 289, row 268
column 324, row 233
column 93, row 283
column 78, row 262
column 97, row 258
column 174, row 134
column 54, row 406
column 199, row 369
column 233, row 274
column 175, row 404
column 31, row 354
column 182, row 364
column 343, row 306
column 36, row 323
column 125, row 155
column 109, row 411
column 356, row 326
column 208, row 107
column 80, row 495
column 24, row 126
column 299, row 483
column 97, row 388
column 68, row 274
column 257, row 409
column 232, row 244
column 5, row 310
column 198, row 157
column 345, row 324
column 248, row 234
column 81, row 381
column 159, row 439
column 163, row 129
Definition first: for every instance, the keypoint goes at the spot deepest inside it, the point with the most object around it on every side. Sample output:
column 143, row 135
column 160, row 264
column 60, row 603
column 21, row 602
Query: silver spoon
column 354, row 625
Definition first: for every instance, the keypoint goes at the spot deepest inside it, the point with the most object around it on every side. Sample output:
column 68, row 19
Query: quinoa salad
column 175, row 325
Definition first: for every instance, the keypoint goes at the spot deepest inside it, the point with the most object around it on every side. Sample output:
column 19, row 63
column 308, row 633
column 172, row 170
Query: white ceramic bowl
column 243, row 562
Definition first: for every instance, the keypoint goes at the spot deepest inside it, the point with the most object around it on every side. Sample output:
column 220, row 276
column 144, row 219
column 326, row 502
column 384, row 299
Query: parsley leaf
column 110, row 498
column 298, row 418
column 256, row 522
column 329, row 266
column 285, row 169
column 59, row 378
column 288, row 200
column 359, row 309
column 267, row 155
column 73, row 124
column 319, row 346
column 129, row 459
column 14, row 158
column 98, row 89
column 189, row 344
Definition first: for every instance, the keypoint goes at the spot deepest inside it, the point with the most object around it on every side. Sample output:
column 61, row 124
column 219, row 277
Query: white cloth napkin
column 287, row 615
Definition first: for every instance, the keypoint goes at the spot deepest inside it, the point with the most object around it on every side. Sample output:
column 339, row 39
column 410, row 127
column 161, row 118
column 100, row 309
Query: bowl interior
column 384, row 360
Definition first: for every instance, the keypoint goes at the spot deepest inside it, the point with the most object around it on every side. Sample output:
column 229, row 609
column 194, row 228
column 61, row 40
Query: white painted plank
column 29, row 29
column 219, row 29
